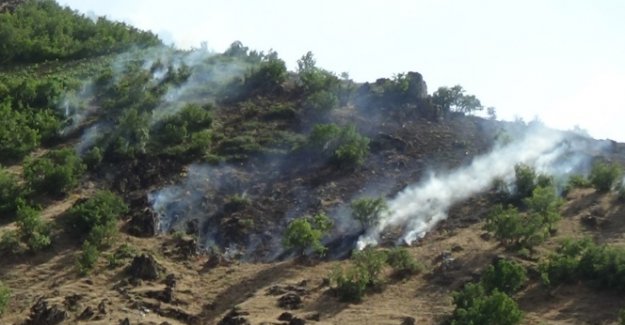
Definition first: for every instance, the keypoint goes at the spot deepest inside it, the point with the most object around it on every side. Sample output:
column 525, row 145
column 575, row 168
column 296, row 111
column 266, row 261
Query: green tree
column 504, row 275
column 454, row 99
column 343, row 145
column 368, row 211
column 475, row 306
column 546, row 203
column 306, row 233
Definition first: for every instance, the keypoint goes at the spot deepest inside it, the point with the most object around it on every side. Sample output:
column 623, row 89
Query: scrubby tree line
column 42, row 30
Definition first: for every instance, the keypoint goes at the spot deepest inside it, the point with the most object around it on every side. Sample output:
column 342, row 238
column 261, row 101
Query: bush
column 57, row 172
column 350, row 284
column 5, row 296
column 474, row 306
column 546, row 204
column 368, row 211
column 525, row 180
column 31, row 229
column 603, row 175
column 10, row 192
column 371, row 262
column 402, row 262
column 306, row 232
column 124, row 252
column 578, row 181
column 321, row 102
column 505, row 276
column 514, row 230
column 88, row 258
column 17, row 138
column 563, row 266
column 343, row 145
column 9, row 242
column 97, row 217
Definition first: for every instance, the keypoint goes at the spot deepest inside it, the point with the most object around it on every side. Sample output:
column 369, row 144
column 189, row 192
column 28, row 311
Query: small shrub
column 31, row 229
column 5, row 297
column 122, row 253
column 55, row 173
column 402, row 262
column 505, row 276
column 603, row 175
column 306, row 232
column 368, row 211
column 87, row 259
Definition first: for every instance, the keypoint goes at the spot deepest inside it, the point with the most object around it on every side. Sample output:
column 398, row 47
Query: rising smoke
column 418, row 208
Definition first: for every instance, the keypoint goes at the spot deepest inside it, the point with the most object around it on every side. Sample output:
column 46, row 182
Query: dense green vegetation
column 10, row 191
column 43, row 30
column 31, row 229
column 56, row 173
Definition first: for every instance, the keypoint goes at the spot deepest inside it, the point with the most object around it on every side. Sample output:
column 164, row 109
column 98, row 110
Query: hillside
column 141, row 184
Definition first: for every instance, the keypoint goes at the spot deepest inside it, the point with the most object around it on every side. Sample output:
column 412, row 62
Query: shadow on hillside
column 242, row 291
column 571, row 304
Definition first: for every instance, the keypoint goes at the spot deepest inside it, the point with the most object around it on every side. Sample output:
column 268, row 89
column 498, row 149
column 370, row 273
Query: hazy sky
column 560, row 60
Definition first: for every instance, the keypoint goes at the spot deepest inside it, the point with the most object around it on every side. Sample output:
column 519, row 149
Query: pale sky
column 562, row 61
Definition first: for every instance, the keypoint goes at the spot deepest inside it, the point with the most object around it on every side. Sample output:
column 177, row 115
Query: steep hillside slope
column 148, row 185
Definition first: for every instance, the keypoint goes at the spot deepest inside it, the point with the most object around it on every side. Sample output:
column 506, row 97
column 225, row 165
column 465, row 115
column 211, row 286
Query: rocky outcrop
column 42, row 314
column 145, row 267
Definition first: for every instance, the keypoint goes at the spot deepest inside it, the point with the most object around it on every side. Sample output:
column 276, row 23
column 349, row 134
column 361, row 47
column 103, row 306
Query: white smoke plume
column 418, row 208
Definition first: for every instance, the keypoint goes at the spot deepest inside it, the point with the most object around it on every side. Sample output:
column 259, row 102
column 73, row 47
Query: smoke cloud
column 418, row 208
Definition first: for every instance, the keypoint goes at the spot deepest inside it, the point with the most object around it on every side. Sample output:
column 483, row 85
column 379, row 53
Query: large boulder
column 145, row 267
